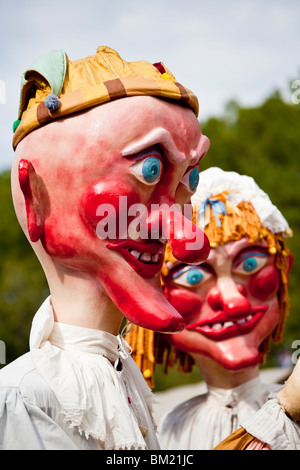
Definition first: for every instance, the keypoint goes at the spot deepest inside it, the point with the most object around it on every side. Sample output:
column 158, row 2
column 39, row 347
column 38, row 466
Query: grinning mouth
column 220, row 327
column 146, row 258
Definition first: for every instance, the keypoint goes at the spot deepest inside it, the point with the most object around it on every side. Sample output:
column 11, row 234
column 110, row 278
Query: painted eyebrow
column 179, row 272
column 147, row 153
column 191, row 167
column 162, row 137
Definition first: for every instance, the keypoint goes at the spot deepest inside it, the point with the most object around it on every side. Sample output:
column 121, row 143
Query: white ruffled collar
column 236, row 394
column 85, row 340
column 112, row 406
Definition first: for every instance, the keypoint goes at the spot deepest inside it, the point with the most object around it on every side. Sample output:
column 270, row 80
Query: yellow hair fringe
column 141, row 341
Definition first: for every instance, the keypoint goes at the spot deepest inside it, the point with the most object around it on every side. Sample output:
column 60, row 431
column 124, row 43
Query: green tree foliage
column 22, row 282
column 262, row 142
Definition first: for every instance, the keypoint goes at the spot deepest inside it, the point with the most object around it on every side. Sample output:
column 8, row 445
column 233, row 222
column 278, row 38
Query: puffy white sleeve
column 271, row 425
column 24, row 426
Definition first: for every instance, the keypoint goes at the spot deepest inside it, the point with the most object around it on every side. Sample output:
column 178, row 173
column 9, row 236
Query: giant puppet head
column 106, row 159
column 237, row 300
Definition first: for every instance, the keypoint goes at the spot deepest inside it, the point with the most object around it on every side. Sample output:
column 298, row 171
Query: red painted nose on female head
column 188, row 243
column 236, row 306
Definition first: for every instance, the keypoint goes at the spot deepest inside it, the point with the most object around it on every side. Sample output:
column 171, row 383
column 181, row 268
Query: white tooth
column 216, row 326
column 135, row 253
column 249, row 317
column 227, row 324
column 155, row 258
column 241, row 321
column 145, row 257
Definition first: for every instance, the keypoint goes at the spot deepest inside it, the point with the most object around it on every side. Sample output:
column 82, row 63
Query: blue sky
column 222, row 50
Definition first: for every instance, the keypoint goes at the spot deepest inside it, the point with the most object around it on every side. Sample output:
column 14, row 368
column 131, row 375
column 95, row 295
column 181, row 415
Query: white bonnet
column 241, row 188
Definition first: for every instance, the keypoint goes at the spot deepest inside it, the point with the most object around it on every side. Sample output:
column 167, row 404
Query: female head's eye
column 250, row 263
column 194, row 277
column 148, row 170
column 190, row 276
column 191, row 180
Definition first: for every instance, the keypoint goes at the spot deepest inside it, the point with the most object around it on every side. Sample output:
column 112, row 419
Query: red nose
column 188, row 243
column 235, row 307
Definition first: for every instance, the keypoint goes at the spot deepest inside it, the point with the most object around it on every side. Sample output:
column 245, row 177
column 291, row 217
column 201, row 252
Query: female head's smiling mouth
column 220, row 327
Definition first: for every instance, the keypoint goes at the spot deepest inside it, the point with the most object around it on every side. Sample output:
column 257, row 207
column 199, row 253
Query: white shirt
column 204, row 421
column 68, row 392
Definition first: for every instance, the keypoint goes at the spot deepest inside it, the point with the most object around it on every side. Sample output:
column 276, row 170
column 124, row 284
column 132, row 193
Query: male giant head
column 106, row 158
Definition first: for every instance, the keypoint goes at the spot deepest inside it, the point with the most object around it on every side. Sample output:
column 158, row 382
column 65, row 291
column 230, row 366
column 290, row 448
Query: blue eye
column 191, row 180
column 194, row 276
column 194, row 179
column 148, row 170
column 191, row 276
column 249, row 264
column 151, row 169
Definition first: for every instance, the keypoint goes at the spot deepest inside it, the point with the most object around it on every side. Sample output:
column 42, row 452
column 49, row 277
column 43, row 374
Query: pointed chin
column 236, row 354
column 142, row 302
column 239, row 355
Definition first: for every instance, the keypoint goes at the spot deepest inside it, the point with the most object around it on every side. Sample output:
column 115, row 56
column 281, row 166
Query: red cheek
column 57, row 246
column 265, row 283
column 186, row 302
column 105, row 201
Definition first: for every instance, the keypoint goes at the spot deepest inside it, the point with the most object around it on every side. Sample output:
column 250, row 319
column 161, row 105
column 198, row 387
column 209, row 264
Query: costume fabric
column 241, row 440
column 77, row 388
column 267, row 429
column 202, row 422
column 272, row 426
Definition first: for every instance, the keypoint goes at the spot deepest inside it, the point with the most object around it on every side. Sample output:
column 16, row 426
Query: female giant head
column 237, row 300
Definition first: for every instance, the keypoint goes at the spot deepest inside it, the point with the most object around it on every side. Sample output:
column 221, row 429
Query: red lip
column 146, row 269
column 221, row 332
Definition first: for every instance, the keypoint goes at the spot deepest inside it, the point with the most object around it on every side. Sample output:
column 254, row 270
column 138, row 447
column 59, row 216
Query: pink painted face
column 101, row 169
column 229, row 303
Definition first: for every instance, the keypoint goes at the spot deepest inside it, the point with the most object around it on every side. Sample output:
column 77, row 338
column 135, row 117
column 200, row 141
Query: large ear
column 29, row 185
